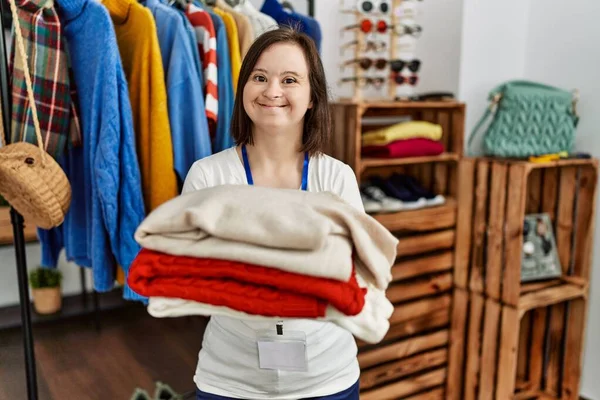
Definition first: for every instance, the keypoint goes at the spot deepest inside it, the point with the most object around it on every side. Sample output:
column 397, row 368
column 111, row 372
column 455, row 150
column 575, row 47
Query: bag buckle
column 495, row 100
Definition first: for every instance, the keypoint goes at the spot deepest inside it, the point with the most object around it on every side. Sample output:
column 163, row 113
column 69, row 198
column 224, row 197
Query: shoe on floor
column 388, row 204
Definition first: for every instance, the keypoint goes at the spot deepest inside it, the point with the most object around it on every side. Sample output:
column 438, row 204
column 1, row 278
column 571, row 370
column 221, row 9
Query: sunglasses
column 399, row 65
column 367, row 26
column 371, row 6
column 403, row 79
column 376, row 82
column 366, row 63
column 414, row 30
column 378, row 45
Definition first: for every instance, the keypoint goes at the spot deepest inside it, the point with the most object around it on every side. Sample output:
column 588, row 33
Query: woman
column 280, row 124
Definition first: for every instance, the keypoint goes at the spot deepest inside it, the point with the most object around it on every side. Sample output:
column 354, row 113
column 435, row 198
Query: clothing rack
column 17, row 219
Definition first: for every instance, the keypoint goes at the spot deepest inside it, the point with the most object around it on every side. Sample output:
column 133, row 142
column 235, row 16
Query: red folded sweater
column 415, row 147
column 243, row 287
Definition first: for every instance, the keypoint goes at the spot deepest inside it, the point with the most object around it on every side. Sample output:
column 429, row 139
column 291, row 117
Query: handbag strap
column 21, row 49
column 482, row 121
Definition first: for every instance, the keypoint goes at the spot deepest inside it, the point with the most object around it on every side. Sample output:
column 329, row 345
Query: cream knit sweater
column 296, row 231
column 312, row 233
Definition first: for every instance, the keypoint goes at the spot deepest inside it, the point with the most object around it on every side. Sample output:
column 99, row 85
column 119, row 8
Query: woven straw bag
column 30, row 179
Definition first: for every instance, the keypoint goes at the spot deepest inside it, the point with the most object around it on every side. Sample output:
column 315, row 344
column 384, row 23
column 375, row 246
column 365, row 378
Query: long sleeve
column 117, row 177
column 223, row 139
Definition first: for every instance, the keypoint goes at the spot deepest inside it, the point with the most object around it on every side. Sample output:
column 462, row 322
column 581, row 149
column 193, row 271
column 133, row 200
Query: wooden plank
column 479, row 227
column 398, row 369
column 434, row 394
column 408, row 311
column 428, row 322
column 550, row 192
column 369, row 162
column 513, row 238
column 405, row 348
column 523, row 351
column 388, row 103
column 564, row 221
column 407, row 387
column 534, row 192
column 458, row 130
column 507, row 366
column 489, row 350
column 420, row 288
column 585, row 222
column 423, row 243
column 550, row 296
column 456, row 356
column 536, row 351
column 564, row 233
column 576, row 323
column 457, row 145
column 464, row 225
column 495, row 234
column 535, row 286
column 440, row 180
column 425, row 219
column 473, row 347
column 353, row 147
column 411, row 268
column 555, row 339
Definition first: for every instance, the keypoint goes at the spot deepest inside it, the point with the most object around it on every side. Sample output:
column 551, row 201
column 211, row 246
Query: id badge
column 282, row 350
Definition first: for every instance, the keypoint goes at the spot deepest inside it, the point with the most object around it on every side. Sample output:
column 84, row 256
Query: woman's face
column 277, row 94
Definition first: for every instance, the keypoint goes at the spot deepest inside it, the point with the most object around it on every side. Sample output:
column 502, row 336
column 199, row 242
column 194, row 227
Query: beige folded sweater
column 297, row 231
column 370, row 325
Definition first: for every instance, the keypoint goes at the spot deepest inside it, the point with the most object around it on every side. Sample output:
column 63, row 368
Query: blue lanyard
column 249, row 172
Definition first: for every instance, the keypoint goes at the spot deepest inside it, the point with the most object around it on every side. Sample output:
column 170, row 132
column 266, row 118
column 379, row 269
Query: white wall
column 562, row 50
column 555, row 42
column 493, row 50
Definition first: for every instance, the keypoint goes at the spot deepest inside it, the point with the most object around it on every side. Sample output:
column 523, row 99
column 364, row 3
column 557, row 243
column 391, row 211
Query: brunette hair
column 317, row 120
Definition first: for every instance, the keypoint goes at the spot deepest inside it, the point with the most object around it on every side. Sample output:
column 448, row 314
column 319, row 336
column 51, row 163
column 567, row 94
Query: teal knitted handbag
column 530, row 119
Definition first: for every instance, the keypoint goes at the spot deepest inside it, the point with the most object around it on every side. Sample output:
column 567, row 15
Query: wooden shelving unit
column 412, row 361
column 6, row 229
column 511, row 339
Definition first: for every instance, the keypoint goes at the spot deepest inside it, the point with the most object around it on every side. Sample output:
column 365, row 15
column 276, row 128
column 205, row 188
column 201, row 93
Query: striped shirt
column 207, row 47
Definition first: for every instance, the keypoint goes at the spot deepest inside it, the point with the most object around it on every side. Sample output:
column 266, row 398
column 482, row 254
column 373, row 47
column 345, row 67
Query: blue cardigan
column 107, row 205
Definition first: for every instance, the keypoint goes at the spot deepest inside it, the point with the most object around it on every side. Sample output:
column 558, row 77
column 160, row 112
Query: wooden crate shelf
column 493, row 205
column 411, row 362
column 501, row 352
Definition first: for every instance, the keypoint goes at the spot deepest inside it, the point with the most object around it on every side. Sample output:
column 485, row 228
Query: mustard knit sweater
column 140, row 54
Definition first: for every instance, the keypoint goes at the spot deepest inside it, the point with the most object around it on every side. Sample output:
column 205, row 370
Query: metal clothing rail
column 17, row 219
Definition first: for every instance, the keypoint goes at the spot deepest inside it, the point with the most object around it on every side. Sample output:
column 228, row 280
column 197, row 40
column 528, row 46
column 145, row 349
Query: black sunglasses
column 369, row 6
column 398, row 65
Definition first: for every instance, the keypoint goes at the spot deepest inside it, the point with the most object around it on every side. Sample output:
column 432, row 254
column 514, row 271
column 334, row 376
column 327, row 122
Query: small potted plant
column 45, row 289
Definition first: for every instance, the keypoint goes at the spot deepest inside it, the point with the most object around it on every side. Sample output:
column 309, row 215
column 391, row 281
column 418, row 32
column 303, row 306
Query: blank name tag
column 286, row 352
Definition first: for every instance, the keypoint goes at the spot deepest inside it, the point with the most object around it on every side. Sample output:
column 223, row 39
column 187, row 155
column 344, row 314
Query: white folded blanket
column 296, row 231
column 370, row 325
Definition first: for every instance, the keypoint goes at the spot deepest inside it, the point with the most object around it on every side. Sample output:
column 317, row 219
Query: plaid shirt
column 50, row 74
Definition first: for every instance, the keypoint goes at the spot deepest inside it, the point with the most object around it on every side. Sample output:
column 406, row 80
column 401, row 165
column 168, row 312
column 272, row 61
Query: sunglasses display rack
column 381, row 49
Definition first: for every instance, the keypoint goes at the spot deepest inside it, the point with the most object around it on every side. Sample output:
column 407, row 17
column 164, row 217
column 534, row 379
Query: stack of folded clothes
column 398, row 192
column 253, row 253
column 405, row 139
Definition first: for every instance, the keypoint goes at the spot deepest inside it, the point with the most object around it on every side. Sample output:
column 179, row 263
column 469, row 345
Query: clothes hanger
column 287, row 5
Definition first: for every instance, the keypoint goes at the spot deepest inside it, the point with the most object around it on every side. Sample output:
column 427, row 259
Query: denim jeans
column 349, row 394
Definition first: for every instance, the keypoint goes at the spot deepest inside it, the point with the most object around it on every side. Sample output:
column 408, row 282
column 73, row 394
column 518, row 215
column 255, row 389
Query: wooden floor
column 74, row 361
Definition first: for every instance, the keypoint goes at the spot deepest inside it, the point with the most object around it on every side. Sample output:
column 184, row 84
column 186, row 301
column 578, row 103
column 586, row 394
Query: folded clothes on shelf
column 398, row 192
column 415, row 147
column 402, row 130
